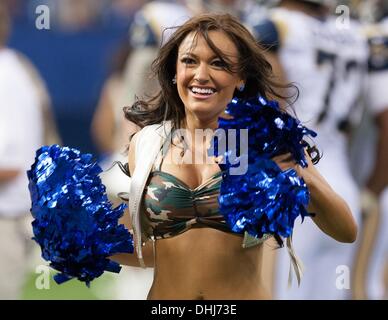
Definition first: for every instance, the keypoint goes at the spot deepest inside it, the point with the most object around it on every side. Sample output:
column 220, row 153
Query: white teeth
column 202, row 90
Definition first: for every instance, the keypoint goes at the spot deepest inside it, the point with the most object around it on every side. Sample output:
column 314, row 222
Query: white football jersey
column 328, row 65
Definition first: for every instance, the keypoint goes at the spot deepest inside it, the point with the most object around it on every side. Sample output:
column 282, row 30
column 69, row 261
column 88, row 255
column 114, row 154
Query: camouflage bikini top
column 172, row 207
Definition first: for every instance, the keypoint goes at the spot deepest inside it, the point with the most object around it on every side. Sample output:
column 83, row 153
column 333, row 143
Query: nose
column 202, row 74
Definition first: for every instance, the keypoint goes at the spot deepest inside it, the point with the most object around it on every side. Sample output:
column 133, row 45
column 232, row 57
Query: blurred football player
column 371, row 150
column 327, row 62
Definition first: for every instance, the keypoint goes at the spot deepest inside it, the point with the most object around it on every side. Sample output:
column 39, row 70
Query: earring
column 241, row 87
column 174, row 80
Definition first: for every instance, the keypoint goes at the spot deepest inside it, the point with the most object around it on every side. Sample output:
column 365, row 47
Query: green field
column 100, row 288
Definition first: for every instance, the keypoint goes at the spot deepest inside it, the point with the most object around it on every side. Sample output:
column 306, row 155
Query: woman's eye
column 219, row 64
column 187, row 61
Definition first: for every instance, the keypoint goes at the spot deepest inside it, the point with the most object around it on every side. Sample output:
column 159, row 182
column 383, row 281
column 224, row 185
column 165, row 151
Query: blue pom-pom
column 74, row 222
column 271, row 131
column 264, row 200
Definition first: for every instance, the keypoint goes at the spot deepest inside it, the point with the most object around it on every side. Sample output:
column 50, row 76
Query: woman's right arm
column 130, row 259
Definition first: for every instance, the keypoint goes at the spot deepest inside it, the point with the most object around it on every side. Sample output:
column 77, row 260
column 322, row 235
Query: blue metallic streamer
column 264, row 200
column 74, row 222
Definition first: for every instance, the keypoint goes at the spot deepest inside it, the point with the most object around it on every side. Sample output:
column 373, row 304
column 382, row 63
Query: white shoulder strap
column 148, row 144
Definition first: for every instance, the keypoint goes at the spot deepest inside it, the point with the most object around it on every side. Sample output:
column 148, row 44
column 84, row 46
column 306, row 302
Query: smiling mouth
column 202, row 91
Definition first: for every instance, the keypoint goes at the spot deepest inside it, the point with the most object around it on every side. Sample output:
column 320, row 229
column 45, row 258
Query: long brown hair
column 251, row 66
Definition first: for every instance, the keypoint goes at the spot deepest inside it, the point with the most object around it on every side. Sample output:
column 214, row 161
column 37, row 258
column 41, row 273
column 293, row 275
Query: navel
column 200, row 296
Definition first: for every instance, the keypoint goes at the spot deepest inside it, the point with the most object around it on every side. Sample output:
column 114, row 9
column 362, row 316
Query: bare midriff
column 207, row 264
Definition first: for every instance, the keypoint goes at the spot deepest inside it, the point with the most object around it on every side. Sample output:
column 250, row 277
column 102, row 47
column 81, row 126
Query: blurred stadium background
column 87, row 42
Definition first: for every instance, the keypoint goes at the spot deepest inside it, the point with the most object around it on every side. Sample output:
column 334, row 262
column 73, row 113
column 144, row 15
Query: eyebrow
column 195, row 56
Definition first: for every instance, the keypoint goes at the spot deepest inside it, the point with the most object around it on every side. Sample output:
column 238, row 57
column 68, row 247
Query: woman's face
column 204, row 85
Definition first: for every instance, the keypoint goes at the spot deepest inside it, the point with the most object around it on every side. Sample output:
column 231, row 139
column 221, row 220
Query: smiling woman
column 235, row 55
column 195, row 255
column 204, row 83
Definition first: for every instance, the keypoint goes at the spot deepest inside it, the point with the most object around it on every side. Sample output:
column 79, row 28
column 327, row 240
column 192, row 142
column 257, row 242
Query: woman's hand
column 332, row 214
column 286, row 161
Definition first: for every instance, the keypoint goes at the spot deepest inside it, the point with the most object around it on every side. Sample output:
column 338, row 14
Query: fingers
column 286, row 161
column 285, row 166
column 287, row 157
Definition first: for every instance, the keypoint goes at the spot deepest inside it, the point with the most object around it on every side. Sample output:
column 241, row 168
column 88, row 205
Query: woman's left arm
column 332, row 214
